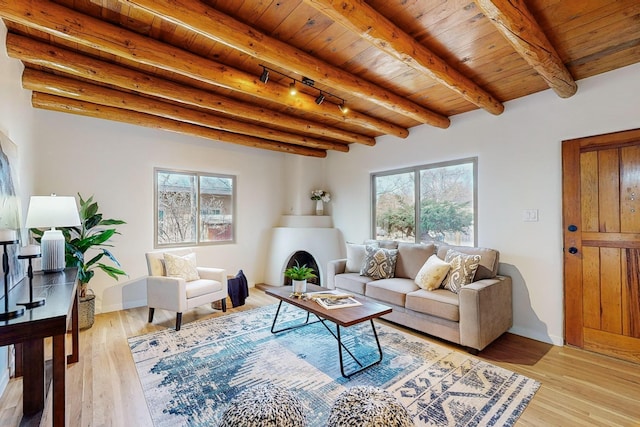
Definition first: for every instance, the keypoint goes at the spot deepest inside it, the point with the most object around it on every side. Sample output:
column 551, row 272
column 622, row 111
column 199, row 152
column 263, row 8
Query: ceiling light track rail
column 322, row 94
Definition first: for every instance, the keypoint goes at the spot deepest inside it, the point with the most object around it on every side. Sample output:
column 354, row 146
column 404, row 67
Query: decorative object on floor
column 238, row 289
column 30, row 252
column 320, row 196
column 52, row 211
column 299, row 275
column 8, row 237
column 265, row 405
column 367, row 406
column 187, row 376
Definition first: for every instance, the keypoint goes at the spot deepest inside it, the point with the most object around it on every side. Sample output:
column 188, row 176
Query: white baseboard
column 536, row 335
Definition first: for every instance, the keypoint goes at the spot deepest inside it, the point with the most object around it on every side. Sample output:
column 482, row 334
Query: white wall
column 115, row 163
column 519, row 167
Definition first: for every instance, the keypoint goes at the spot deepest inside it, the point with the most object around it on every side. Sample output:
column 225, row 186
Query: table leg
column 33, row 376
column 59, row 379
column 362, row 368
column 275, row 319
column 75, row 355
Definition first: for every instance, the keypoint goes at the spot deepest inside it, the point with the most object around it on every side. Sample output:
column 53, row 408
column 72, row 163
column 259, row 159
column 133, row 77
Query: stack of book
column 331, row 299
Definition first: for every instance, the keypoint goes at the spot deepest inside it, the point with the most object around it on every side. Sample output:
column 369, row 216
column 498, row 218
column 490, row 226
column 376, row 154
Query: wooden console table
column 28, row 332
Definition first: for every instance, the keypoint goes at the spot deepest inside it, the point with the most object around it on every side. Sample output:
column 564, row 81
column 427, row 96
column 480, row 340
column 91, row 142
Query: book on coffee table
column 333, row 299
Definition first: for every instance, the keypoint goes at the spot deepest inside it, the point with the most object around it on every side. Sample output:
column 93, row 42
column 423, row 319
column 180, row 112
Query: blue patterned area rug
column 189, row 376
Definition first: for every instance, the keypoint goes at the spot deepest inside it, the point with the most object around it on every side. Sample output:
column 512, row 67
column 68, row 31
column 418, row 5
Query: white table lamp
column 52, row 211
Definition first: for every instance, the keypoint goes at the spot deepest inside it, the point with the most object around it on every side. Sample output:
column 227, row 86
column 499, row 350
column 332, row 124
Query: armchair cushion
column 183, row 267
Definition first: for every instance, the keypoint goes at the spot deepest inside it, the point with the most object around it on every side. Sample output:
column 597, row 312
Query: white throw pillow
column 355, row 258
column 432, row 273
column 183, row 267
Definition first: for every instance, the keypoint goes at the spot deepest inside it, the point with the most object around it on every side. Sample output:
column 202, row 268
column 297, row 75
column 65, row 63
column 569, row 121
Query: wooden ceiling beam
column 40, row 81
column 360, row 18
column 70, row 25
column 208, row 22
column 34, row 52
column 516, row 23
column 83, row 108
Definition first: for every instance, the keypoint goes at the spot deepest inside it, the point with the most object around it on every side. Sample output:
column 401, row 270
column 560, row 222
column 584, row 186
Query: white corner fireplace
column 307, row 235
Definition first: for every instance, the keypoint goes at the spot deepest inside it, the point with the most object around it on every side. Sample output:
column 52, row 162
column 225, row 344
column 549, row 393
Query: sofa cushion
column 411, row 257
column 355, row 258
column 352, row 282
column 392, row 291
column 440, row 303
column 387, row 244
column 463, row 269
column 379, row 263
column 432, row 273
column 489, row 261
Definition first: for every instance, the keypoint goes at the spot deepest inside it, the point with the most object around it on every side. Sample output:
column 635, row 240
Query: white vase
column 299, row 287
column 319, row 207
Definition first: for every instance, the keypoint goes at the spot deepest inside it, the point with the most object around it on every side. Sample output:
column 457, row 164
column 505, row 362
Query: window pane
column 216, row 208
column 395, row 207
column 446, row 204
column 176, row 202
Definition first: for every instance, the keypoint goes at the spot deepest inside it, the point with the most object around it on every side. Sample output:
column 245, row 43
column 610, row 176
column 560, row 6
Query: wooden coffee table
column 341, row 317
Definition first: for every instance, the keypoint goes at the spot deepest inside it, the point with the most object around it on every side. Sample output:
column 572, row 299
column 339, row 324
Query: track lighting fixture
column 293, row 90
column 264, row 77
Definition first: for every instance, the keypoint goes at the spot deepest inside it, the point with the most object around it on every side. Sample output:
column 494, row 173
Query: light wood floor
column 578, row 388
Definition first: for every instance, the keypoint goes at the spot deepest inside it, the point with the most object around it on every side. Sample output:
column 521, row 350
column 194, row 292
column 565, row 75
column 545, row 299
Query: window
column 193, row 208
column 442, row 197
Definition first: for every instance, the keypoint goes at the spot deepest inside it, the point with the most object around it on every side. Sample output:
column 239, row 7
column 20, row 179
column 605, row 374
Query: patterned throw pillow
column 183, row 267
column 432, row 273
column 463, row 269
column 379, row 263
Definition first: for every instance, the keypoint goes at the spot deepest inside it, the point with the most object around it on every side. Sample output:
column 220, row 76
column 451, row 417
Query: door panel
column 601, row 193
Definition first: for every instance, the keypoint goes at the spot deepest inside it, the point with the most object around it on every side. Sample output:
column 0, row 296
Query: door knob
column 573, row 250
column 572, row 228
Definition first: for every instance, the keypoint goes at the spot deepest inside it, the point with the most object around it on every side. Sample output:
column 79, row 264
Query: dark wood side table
column 28, row 332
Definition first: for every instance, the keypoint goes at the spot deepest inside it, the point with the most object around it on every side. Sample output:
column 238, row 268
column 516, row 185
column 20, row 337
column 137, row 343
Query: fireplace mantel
column 311, row 233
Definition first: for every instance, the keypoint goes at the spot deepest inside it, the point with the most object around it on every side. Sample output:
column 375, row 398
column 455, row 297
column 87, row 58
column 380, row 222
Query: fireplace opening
column 303, row 258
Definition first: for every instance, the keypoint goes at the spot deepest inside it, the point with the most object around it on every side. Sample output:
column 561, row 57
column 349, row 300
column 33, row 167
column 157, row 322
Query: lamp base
column 53, row 253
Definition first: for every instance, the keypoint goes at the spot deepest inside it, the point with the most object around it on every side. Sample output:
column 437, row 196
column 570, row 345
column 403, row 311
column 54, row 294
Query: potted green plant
column 299, row 275
column 93, row 233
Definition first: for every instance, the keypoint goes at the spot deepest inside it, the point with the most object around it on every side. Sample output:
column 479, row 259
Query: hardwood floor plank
column 578, row 387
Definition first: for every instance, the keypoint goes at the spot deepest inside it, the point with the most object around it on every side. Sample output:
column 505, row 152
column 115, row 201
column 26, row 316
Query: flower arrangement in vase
column 320, row 196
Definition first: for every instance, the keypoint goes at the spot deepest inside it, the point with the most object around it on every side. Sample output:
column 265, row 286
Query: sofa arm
column 486, row 311
column 168, row 293
column 334, row 267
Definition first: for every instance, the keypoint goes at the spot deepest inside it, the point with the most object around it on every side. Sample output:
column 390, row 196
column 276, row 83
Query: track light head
column 264, row 77
column 292, row 88
column 320, row 98
column 343, row 108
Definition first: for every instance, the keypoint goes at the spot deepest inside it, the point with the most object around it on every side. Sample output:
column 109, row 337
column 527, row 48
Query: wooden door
column 601, row 220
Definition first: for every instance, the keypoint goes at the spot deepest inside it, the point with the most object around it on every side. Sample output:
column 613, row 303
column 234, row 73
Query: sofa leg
column 472, row 351
column 178, row 321
column 151, row 310
column 224, row 305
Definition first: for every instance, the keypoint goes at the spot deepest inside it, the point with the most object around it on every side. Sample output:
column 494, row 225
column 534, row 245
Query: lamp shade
column 52, row 211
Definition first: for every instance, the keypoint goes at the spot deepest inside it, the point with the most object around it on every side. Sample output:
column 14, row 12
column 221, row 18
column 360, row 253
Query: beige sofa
column 473, row 318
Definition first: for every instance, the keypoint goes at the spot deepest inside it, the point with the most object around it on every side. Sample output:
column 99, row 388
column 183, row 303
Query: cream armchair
column 176, row 293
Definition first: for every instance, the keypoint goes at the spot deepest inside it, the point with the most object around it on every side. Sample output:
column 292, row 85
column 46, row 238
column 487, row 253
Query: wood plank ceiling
column 194, row 66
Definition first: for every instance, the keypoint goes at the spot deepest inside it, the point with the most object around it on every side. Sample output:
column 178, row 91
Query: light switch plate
column 530, row 215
